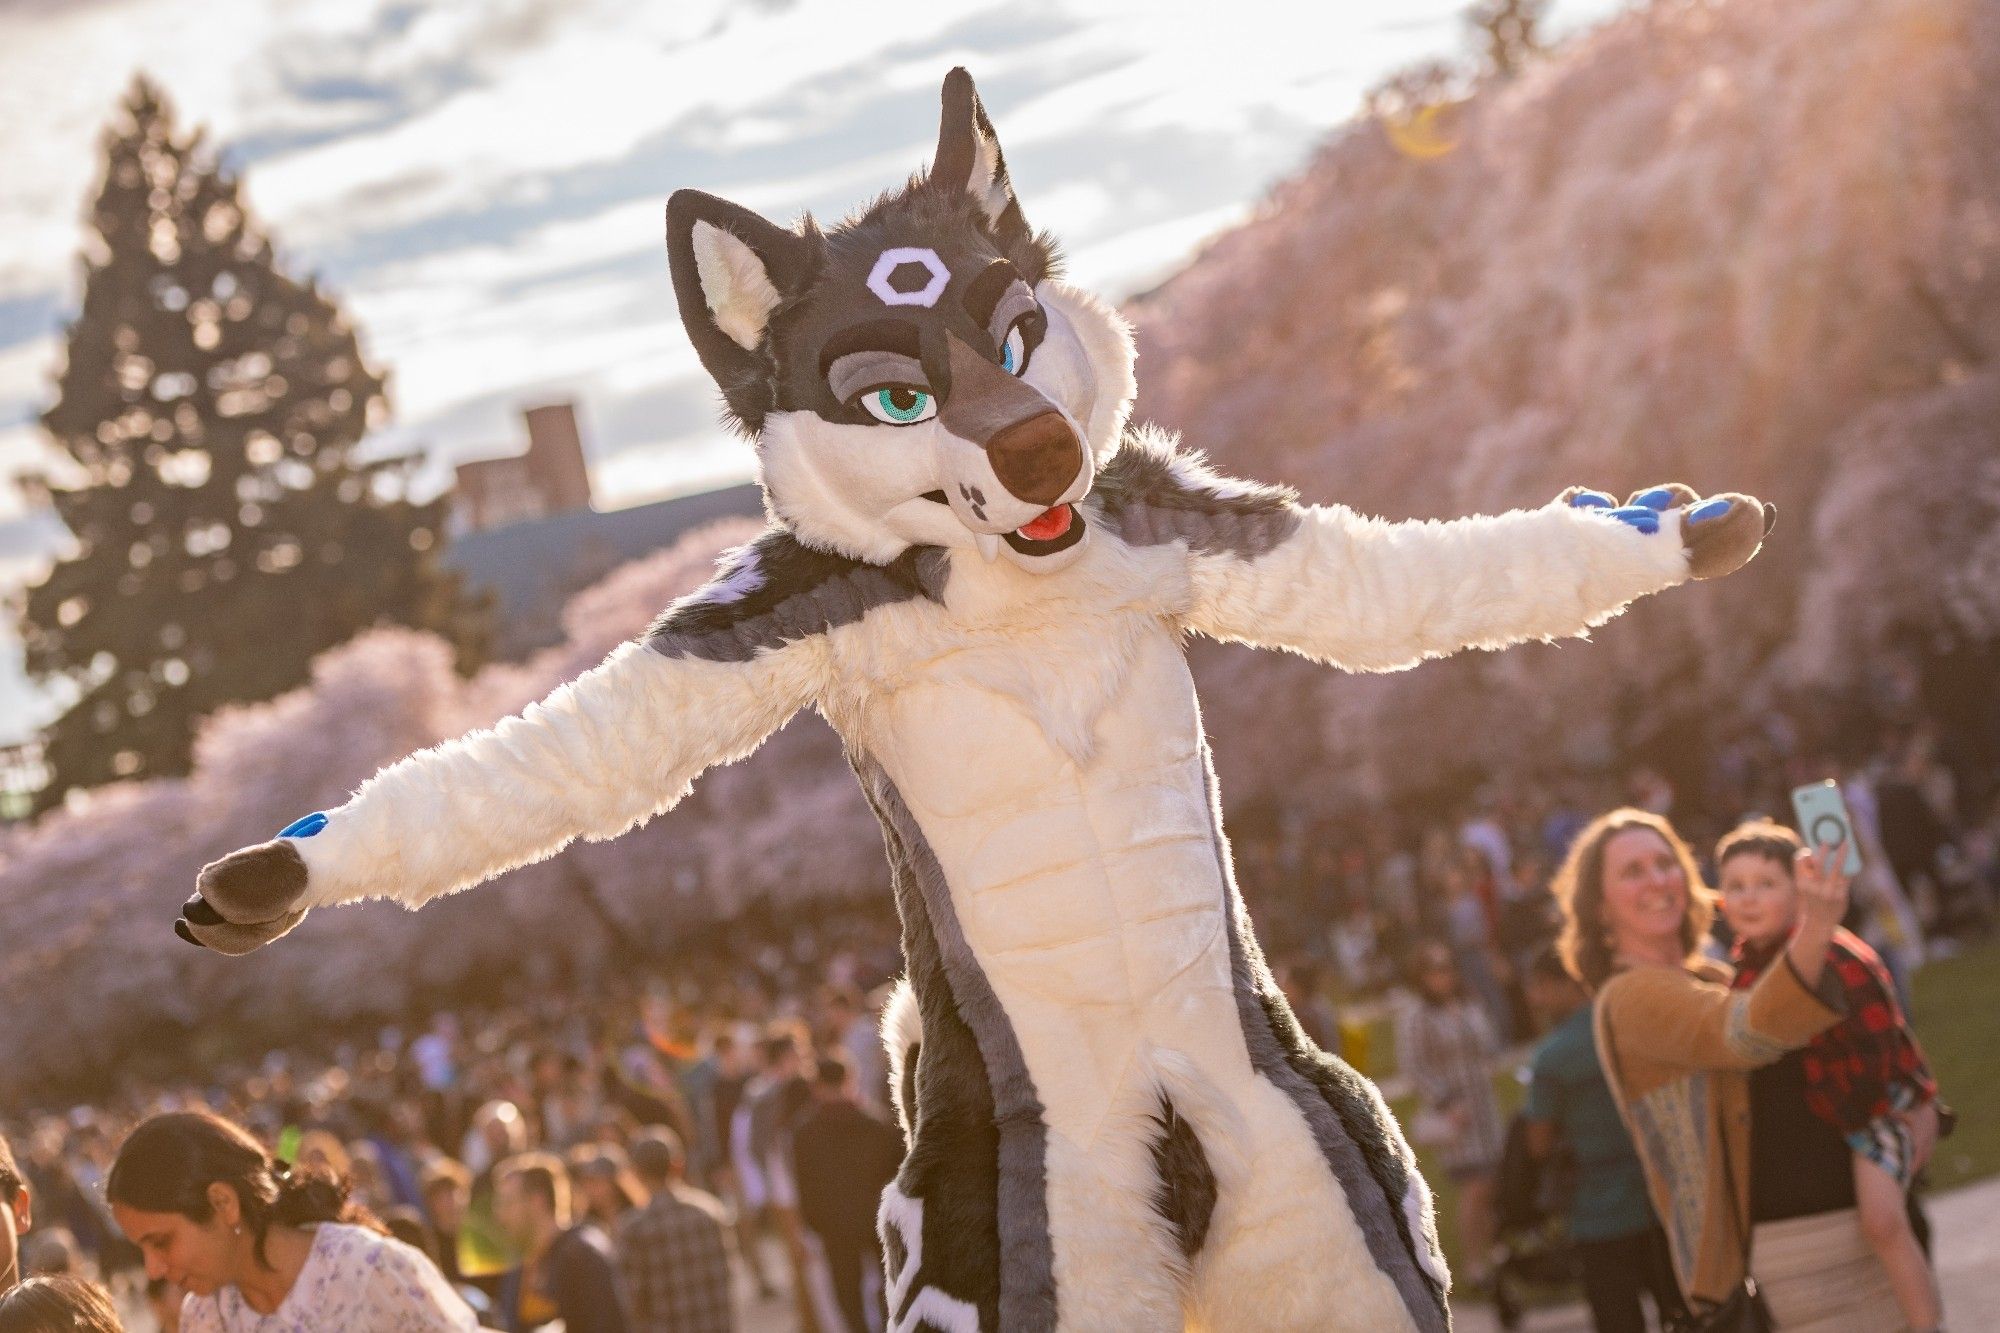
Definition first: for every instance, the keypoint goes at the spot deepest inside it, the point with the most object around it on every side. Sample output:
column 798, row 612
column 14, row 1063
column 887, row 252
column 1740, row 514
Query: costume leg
column 1117, row 1262
column 1334, row 1223
column 1284, row 1251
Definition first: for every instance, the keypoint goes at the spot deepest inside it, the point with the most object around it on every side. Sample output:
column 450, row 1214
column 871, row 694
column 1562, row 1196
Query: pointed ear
column 731, row 270
column 969, row 158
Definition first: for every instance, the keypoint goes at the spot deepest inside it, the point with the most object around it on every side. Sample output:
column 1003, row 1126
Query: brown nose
column 1037, row 459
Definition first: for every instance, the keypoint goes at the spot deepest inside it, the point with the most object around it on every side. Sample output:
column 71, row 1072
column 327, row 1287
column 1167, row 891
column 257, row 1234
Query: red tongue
column 1052, row 524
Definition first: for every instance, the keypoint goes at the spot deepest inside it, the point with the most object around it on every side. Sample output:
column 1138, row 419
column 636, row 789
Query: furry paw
column 249, row 897
column 1720, row 533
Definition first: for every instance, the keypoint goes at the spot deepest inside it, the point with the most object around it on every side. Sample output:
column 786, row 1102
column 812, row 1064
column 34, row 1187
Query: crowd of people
column 712, row 1133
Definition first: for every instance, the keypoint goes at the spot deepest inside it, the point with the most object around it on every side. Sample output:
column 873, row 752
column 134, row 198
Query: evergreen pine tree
column 226, row 528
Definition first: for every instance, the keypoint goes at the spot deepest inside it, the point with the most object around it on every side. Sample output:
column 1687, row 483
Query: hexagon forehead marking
column 891, row 260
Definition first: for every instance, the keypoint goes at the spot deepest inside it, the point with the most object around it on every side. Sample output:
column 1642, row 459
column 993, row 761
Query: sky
column 482, row 182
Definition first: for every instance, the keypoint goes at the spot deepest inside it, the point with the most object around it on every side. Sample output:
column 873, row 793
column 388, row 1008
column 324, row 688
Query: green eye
column 899, row 404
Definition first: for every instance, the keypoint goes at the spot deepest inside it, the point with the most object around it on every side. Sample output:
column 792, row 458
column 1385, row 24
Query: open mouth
column 1050, row 531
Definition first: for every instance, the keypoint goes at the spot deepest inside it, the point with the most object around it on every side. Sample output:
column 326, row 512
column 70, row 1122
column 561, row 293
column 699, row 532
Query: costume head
column 916, row 375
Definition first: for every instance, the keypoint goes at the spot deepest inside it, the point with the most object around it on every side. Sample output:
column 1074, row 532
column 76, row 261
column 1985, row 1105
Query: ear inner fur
column 734, row 284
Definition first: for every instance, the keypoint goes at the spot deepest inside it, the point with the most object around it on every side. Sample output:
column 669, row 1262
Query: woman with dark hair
column 259, row 1246
column 59, row 1304
column 1676, row 1043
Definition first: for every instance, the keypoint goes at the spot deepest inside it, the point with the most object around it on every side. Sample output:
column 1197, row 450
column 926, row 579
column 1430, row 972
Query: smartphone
column 1823, row 822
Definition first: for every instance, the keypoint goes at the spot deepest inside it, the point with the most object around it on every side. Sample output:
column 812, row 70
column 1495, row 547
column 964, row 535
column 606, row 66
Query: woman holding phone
column 1676, row 1043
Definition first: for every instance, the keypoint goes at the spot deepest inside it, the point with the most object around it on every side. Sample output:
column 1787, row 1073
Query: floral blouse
column 353, row 1279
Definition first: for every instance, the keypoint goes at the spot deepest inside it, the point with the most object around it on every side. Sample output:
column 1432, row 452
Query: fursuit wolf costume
column 981, row 574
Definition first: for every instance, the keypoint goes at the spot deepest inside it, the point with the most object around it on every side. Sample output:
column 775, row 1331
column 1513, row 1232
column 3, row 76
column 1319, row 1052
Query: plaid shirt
column 674, row 1255
column 1854, row 1068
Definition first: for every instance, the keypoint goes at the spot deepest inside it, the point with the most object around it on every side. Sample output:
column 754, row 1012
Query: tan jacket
column 1677, row 1046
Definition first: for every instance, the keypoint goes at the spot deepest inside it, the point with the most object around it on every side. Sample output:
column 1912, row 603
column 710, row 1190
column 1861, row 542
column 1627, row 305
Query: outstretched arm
column 612, row 748
column 1371, row 595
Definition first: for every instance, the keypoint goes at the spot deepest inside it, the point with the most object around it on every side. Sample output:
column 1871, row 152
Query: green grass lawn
column 1957, row 1017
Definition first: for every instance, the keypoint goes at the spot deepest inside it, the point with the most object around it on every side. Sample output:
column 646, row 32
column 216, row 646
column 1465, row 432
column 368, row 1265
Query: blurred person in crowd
column 16, row 1213
column 734, row 1072
column 568, row 1105
column 1529, row 919
column 1469, row 927
column 845, row 1156
column 1677, row 1046
column 1300, row 981
column 606, row 1188
column 51, row 1252
column 324, row 1152
column 1445, row 1044
column 408, row 1225
column 447, row 1190
column 1648, row 789
column 701, row 1086
column 79, row 1192
column 163, row 1302
column 447, row 1200
column 1484, row 833
column 498, row 1131
column 365, row 1181
column 777, row 1103
column 1865, row 1078
column 1914, row 832
column 772, row 1105
column 644, row 1081
column 854, row 1029
column 675, row 1059
column 395, row 1130
column 436, row 1053
column 566, row 1271
column 1621, row 1250
column 1357, row 948
column 673, row 1253
column 248, row 1238
column 58, row 1304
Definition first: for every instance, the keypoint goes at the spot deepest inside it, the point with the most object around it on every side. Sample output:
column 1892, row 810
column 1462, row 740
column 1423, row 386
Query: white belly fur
column 1090, row 893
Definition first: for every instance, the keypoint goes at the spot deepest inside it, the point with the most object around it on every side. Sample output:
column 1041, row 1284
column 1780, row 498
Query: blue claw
column 304, row 828
column 1592, row 500
column 1640, row 517
column 1709, row 509
column 1660, row 497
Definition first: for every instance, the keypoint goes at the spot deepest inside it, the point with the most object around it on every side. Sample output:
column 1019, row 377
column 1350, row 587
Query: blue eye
column 899, row 404
column 1014, row 352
